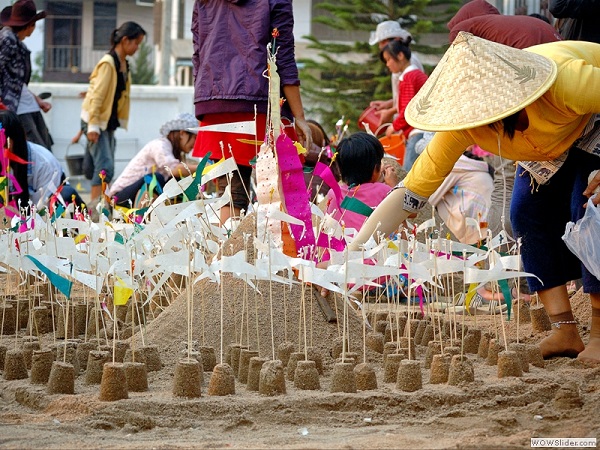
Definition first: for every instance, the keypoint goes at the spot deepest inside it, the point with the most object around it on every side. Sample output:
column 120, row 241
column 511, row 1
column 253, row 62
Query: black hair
column 129, row 30
column 358, row 156
column 18, row 28
column 13, row 129
column 326, row 140
column 509, row 125
column 173, row 138
column 539, row 16
column 394, row 48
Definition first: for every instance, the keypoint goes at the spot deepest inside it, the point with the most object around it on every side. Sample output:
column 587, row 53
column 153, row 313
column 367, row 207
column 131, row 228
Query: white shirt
column 156, row 153
column 27, row 102
column 44, row 172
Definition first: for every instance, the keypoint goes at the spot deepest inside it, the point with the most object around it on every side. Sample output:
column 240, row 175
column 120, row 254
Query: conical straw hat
column 478, row 82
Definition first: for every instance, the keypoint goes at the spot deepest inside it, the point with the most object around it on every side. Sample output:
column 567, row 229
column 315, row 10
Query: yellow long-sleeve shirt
column 97, row 106
column 556, row 120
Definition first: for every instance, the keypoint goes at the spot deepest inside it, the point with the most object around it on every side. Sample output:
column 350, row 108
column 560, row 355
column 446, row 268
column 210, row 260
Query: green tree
column 142, row 70
column 36, row 75
column 333, row 89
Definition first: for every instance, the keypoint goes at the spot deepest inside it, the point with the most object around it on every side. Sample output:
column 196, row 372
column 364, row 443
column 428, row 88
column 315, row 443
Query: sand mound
column 247, row 313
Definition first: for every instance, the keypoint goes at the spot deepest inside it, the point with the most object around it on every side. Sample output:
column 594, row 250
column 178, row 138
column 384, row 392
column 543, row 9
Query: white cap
column 183, row 121
column 390, row 29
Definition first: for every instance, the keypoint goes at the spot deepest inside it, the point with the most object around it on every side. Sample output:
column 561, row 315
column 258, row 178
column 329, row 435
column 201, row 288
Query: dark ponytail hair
column 394, row 48
column 130, row 30
column 13, row 129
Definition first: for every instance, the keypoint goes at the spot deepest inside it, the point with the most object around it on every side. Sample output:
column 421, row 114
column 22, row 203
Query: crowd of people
column 521, row 130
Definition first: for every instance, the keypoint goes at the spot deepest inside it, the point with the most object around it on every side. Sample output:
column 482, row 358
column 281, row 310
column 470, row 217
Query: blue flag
column 62, row 284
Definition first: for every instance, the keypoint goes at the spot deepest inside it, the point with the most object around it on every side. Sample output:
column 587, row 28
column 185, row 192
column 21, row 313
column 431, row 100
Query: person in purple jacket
column 229, row 64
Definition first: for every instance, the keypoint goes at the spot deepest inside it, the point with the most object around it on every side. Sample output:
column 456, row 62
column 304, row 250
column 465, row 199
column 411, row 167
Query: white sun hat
column 478, row 82
column 183, row 121
column 390, row 29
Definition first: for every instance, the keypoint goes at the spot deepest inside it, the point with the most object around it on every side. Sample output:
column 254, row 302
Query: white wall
column 302, row 19
column 151, row 106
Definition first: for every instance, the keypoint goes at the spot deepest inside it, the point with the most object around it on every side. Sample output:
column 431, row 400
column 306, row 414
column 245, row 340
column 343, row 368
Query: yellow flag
column 210, row 167
column 122, row 292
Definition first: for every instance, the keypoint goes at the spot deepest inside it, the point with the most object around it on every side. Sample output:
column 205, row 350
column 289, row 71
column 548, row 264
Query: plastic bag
column 583, row 238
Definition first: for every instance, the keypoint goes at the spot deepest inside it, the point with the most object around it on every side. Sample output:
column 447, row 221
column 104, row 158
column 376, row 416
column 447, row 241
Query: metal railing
column 71, row 58
column 62, row 58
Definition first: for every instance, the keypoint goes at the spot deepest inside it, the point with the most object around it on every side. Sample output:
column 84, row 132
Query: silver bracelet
column 566, row 322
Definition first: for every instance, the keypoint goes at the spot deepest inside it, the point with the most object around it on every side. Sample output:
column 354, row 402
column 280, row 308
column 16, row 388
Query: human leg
column 564, row 339
column 103, row 157
column 539, row 214
column 240, row 185
column 70, row 194
column 591, row 354
column 36, row 129
column 591, row 284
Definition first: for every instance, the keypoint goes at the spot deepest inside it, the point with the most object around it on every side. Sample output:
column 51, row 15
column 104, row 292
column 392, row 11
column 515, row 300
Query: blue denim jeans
column 539, row 214
column 410, row 155
column 103, row 155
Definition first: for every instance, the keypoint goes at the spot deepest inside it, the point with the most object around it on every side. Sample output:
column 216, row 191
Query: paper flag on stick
column 62, row 284
column 219, row 169
column 121, row 292
column 245, row 127
column 192, row 191
column 355, row 205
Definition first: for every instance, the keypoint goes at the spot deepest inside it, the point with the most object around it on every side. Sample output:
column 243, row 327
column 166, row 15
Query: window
column 105, row 21
column 63, row 37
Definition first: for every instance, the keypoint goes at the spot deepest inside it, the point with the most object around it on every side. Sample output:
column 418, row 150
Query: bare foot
column 563, row 342
column 591, row 354
column 489, row 295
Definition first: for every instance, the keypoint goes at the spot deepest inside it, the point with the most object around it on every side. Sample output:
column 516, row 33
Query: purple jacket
column 230, row 53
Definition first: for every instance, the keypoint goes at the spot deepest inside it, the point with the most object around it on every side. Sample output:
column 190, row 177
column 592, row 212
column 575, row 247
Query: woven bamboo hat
column 478, row 82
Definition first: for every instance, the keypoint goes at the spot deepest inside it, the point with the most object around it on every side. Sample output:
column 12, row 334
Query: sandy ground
column 560, row 399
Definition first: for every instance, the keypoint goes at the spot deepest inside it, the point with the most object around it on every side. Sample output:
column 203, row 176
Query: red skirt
column 243, row 153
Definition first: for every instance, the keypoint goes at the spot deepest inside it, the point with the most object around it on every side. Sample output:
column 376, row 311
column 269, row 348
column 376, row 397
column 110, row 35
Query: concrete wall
column 151, row 106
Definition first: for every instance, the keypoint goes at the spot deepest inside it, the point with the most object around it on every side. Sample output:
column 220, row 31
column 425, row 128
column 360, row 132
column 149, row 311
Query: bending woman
column 535, row 105
column 163, row 156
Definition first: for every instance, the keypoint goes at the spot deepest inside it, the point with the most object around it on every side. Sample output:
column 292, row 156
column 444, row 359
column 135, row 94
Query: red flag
column 10, row 155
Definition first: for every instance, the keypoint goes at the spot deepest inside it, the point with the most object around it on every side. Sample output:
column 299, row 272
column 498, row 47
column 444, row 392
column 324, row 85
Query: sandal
column 491, row 307
column 459, row 307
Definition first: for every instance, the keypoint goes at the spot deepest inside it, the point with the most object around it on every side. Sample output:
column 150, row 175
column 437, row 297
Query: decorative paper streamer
column 324, row 172
column 267, row 193
column 294, row 194
column 326, row 241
